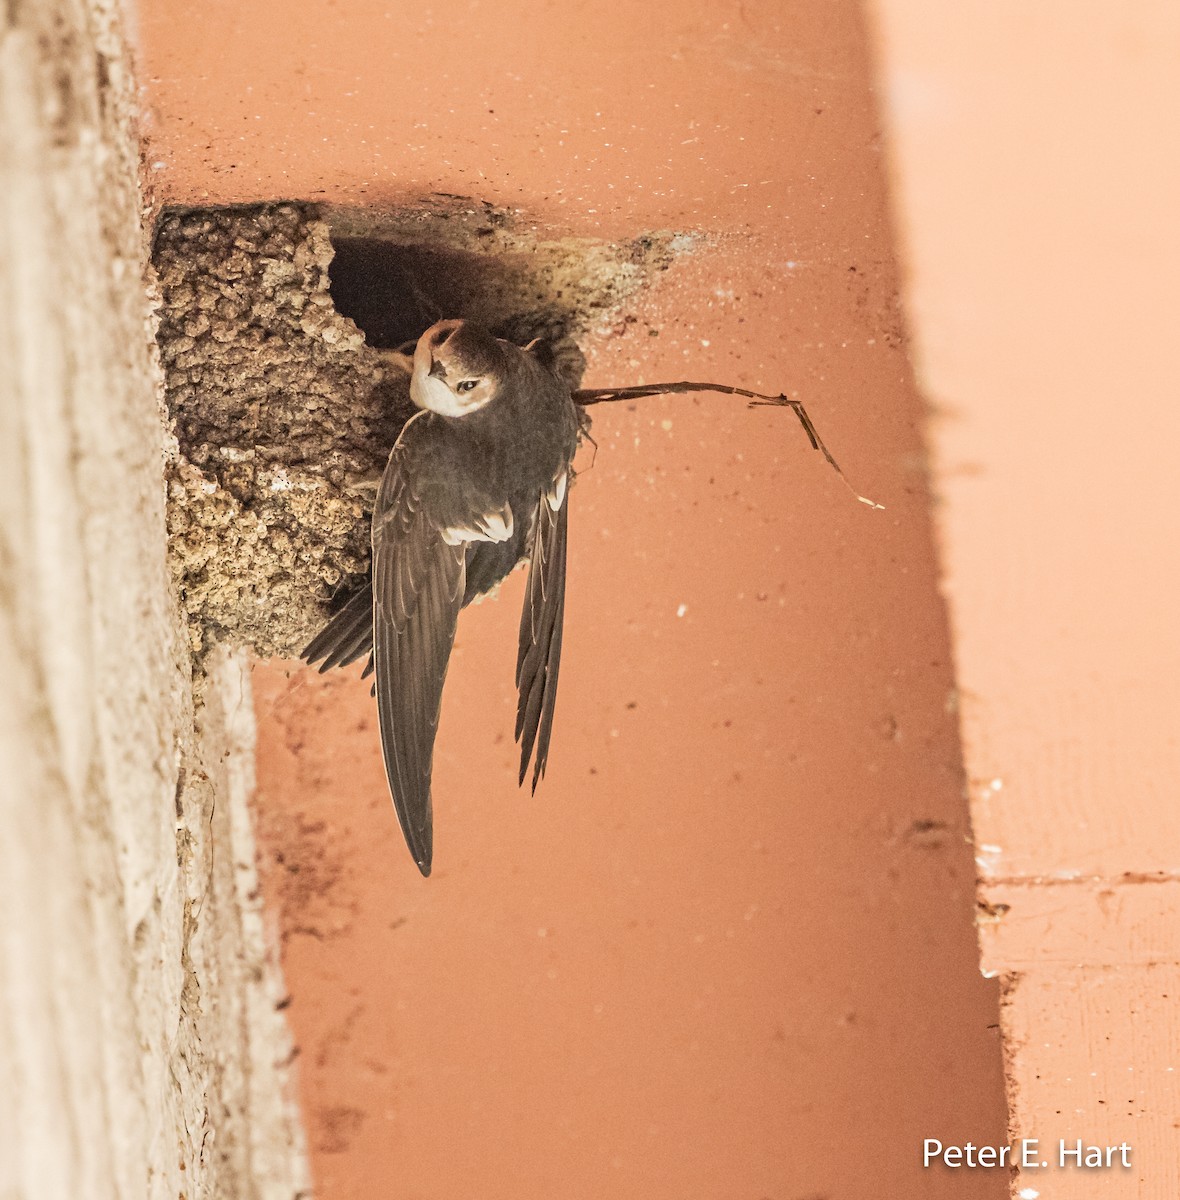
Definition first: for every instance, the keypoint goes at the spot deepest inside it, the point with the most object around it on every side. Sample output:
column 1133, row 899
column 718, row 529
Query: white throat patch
column 428, row 391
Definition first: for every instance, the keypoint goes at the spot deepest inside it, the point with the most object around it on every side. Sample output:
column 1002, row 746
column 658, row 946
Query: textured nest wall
column 277, row 406
column 283, row 408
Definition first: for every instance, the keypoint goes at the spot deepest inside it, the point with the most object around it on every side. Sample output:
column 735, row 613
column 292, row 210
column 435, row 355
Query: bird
column 477, row 482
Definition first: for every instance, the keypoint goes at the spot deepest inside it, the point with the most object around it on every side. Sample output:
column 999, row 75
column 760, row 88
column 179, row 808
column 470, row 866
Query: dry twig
column 588, row 396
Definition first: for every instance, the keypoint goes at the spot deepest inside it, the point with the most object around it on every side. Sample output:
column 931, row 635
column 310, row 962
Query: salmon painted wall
column 728, row 948
column 1038, row 186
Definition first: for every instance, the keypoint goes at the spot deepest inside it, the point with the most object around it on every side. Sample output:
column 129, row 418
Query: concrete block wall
column 141, row 1054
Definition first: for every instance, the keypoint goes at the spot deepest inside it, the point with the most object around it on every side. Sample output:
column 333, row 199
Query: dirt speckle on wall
column 282, row 406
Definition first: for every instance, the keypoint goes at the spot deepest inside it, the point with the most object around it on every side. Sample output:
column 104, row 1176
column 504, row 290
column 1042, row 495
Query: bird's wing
column 417, row 593
column 347, row 636
column 539, row 654
column 419, row 553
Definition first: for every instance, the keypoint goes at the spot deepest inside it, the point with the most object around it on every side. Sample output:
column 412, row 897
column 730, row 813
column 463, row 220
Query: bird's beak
column 437, row 370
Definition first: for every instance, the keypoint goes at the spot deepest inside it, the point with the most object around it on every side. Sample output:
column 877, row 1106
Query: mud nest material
column 281, row 408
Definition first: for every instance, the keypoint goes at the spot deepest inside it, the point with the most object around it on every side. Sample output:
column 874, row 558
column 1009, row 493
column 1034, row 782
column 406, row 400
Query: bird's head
column 457, row 368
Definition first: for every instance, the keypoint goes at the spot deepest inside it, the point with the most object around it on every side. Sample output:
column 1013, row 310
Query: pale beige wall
column 138, row 1039
column 1037, row 188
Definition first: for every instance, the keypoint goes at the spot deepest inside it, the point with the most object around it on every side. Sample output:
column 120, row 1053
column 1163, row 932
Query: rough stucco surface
column 140, row 1052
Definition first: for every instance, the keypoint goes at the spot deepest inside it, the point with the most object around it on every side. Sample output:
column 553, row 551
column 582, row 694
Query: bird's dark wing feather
column 539, row 654
column 347, row 636
column 418, row 583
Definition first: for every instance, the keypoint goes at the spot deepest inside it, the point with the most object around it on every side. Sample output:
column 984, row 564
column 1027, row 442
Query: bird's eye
column 465, row 385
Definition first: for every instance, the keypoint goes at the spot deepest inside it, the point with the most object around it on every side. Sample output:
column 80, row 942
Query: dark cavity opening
column 395, row 292
column 395, row 275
